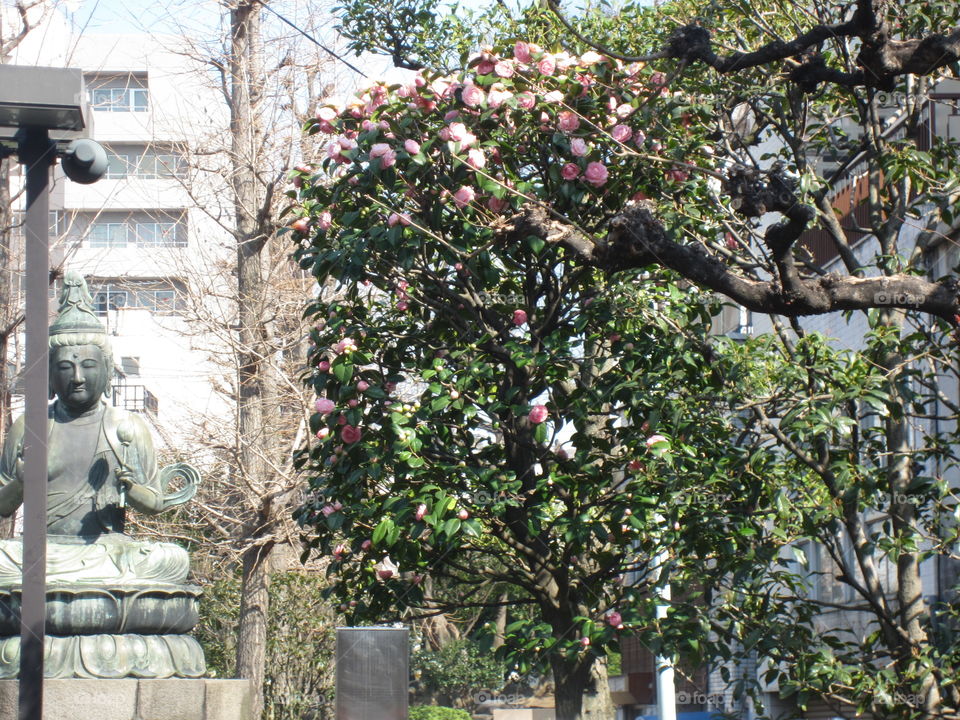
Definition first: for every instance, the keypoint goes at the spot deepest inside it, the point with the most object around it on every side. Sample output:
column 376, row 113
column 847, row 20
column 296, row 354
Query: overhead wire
column 312, row 39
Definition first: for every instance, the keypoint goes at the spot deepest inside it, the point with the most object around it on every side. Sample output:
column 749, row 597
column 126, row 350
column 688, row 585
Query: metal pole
column 666, row 687
column 37, row 154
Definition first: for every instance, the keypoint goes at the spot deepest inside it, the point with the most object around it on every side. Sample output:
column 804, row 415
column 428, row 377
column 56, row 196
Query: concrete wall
column 133, row 699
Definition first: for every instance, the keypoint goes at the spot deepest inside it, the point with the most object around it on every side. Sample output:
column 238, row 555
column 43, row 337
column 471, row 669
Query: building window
column 119, row 93
column 133, row 397
column 141, row 230
column 144, row 163
column 163, row 297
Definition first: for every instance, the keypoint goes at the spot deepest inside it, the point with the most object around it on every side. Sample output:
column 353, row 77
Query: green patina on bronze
column 116, row 606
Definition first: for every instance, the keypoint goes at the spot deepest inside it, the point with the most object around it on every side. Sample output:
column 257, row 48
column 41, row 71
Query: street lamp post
column 38, row 102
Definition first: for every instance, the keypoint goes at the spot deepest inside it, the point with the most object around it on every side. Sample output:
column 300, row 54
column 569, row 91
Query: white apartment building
column 152, row 236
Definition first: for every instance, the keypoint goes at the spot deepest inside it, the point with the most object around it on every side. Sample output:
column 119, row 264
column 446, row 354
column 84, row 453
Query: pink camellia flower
column 624, row 110
column 323, row 366
column 346, row 345
column 538, row 413
column 484, row 67
column 386, row 154
column 547, row 65
column 654, row 439
column 498, row 96
column 363, row 386
column 676, row 174
column 403, row 305
column 731, row 241
column 590, row 58
column 458, row 132
column 366, row 545
column 463, row 514
column 411, row 146
column 504, row 68
column 386, row 568
column 526, row 101
column 568, row 121
column 519, row 317
column 368, row 125
column 323, row 433
column 464, row 196
column 328, row 510
column 353, row 402
column 497, row 205
column 639, row 137
column 420, row 512
column 476, row 159
column 444, row 134
column 596, row 173
column 658, row 79
column 585, row 642
column 324, row 405
column 327, row 113
column 578, row 147
column 451, row 115
column 521, row 51
column 324, row 220
column 393, row 219
column 570, row 171
column 621, row 133
column 614, row 619
column 350, row 434
column 339, row 551
column 473, row 96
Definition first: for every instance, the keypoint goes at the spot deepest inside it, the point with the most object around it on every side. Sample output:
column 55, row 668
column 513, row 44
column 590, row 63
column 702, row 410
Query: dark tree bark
column 255, row 385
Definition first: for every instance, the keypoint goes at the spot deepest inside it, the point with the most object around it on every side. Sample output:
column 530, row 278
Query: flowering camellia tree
column 485, row 381
column 490, row 414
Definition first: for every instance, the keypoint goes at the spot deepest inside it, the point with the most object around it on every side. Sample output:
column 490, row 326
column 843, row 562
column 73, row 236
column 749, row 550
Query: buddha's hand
column 129, row 473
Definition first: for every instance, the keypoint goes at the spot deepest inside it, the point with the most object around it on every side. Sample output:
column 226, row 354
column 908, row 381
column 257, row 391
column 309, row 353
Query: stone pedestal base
column 131, row 699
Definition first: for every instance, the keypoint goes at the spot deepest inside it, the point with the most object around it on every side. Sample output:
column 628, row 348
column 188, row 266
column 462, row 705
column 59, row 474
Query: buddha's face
column 78, row 376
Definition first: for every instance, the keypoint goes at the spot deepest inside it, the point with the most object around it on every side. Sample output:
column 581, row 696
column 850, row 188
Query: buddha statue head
column 81, row 360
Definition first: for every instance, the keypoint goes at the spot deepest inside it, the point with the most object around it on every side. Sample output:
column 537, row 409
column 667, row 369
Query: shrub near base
column 435, row 712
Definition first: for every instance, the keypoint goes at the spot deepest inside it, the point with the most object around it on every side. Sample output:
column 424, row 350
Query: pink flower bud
column 538, row 413
column 519, row 317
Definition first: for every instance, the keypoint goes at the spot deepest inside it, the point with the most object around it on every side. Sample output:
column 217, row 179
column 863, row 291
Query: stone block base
column 132, row 699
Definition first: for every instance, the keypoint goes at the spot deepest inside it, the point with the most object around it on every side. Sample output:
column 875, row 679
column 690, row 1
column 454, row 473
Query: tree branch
column 636, row 239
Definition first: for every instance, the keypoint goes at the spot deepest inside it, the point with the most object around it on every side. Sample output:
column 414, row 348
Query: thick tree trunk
column 254, row 391
column 911, row 605
column 254, row 606
column 581, row 688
